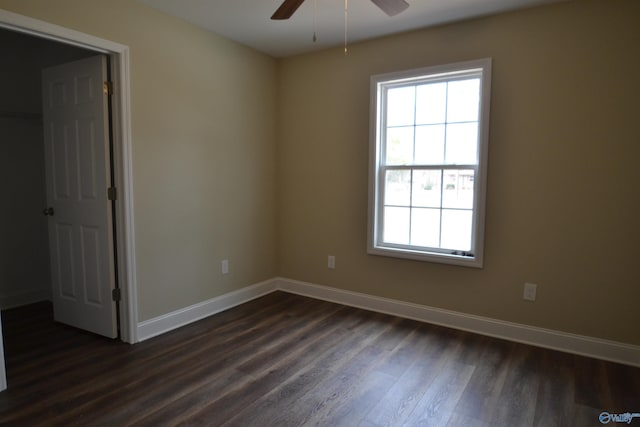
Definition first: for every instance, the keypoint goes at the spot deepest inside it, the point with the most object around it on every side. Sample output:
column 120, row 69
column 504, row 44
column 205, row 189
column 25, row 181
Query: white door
column 78, row 174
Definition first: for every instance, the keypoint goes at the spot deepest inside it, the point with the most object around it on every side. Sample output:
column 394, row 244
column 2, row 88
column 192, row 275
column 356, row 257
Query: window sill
column 464, row 261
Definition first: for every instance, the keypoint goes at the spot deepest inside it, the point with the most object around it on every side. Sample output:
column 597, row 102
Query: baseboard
column 23, row 298
column 562, row 341
column 570, row 343
column 165, row 323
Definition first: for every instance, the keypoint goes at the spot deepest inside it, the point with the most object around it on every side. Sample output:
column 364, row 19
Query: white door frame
column 123, row 168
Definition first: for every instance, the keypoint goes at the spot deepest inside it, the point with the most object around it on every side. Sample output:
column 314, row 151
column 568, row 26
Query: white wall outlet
column 331, row 262
column 530, row 290
column 225, row 266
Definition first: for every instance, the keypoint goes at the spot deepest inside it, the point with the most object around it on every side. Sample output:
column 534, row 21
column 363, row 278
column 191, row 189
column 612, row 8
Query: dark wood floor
column 285, row 360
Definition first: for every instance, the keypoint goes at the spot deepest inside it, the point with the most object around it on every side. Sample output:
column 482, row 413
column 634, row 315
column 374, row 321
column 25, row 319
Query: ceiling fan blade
column 286, row 9
column 391, row 7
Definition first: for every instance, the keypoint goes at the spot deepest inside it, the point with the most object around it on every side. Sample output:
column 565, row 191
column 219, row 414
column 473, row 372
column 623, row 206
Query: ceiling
column 247, row 21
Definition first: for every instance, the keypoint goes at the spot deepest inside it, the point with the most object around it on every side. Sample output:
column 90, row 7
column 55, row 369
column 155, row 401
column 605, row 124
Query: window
column 429, row 138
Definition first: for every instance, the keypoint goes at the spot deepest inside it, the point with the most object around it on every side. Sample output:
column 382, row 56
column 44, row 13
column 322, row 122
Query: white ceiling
column 247, row 21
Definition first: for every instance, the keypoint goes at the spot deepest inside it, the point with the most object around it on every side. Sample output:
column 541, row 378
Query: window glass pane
column 462, row 144
column 425, row 227
column 401, row 106
column 426, row 188
column 397, row 188
column 463, row 101
column 431, row 103
column 429, row 145
column 396, row 225
column 399, row 146
column 458, row 189
column 456, row 229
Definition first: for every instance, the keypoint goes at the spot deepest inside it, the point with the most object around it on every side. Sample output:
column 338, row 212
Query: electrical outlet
column 530, row 290
column 225, row 266
column 331, row 262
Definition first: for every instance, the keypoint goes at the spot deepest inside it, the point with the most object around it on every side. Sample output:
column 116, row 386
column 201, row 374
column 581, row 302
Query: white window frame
column 379, row 84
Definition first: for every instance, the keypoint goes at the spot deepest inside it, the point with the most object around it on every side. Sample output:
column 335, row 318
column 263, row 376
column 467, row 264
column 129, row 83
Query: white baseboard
column 165, row 323
column 23, row 298
column 570, row 343
column 562, row 341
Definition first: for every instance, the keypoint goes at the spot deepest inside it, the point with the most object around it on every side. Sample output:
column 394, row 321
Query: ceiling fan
column 390, row 7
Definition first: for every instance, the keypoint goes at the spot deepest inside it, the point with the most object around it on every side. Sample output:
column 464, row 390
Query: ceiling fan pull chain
column 346, row 20
column 314, row 21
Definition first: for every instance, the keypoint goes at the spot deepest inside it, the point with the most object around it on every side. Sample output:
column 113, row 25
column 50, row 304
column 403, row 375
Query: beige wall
column 563, row 196
column 203, row 150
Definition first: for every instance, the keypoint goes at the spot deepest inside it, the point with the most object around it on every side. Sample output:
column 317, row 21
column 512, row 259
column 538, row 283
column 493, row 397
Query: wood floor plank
column 586, row 416
column 288, row 360
column 358, row 400
column 624, row 388
column 340, row 395
column 519, row 394
column 236, row 401
column 127, row 371
column 556, row 396
column 437, row 405
column 123, row 355
column 185, row 370
column 482, row 396
column 433, row 352
column 327, row 356
column 406, row 353
column 193, row 402
column 459, row 420
column 592, row 388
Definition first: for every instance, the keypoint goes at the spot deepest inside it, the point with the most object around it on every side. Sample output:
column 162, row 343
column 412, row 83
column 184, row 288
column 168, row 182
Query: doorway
column 52, row 45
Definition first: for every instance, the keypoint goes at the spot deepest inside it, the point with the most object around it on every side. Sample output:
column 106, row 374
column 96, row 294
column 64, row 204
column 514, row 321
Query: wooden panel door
column 78, row 175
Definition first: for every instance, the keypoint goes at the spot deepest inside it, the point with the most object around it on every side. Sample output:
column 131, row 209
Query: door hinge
column 115, row 294
column 111, row 193
column 107, row 88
